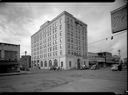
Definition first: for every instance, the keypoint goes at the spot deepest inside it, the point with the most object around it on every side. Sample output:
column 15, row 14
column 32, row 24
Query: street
column 102, row 80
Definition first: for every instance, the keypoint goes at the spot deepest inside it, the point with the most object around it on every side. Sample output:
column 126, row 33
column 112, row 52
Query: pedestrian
column 97, row 65
column 120, row 65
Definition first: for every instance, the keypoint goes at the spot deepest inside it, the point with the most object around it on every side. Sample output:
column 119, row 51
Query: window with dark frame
column 70, row 64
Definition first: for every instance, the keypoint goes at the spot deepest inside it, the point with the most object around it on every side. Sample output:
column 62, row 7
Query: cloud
column 13, row 22
column 13, row 19
column 18, row 21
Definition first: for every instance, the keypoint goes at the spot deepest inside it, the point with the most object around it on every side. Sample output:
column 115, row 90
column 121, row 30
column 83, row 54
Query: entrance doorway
column 55, row 63
column 50, row 63
column 78, row 63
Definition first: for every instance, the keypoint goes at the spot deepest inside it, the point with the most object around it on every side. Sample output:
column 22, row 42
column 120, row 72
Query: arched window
column 70, row 63
column 45, row 63
column 55, row 62
column 50, row 63
column 41, row 63
column 61, row 63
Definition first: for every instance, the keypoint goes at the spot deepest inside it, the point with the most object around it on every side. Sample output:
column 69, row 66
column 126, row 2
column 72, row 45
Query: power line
column 112, row 37
column 108, row 48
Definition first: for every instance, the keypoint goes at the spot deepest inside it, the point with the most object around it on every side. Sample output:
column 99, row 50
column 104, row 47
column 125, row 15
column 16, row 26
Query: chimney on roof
column 44, row 24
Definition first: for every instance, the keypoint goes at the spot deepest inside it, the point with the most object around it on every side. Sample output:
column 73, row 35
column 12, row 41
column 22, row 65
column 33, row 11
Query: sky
column 18, row 21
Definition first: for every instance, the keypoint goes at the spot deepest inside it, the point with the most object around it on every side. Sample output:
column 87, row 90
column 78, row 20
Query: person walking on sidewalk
column 120, row 65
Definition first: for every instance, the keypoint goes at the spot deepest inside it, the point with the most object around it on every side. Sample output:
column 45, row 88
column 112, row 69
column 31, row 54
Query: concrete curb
column 9, row 74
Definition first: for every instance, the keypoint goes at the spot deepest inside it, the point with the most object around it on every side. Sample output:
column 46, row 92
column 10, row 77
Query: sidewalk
column 15, row 73
column 23, row 72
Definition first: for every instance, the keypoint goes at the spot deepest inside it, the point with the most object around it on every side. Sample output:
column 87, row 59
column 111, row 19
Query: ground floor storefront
column 63, row 62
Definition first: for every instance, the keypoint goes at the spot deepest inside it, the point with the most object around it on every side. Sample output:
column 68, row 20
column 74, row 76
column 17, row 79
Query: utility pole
column 119, row 55
column 119, row 52
column 25, row 53
column 105, row 58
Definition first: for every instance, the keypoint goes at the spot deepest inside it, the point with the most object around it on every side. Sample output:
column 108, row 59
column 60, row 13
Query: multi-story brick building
column 62, row 42
column 9, row 57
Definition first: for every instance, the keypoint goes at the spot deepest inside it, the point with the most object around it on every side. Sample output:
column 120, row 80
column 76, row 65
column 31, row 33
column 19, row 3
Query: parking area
column 102, row 80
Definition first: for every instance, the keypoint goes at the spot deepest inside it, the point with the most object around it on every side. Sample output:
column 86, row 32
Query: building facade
column 61, row 42
column 108, row 58
column 25, row 62
column 94, row 58
column 9, row 56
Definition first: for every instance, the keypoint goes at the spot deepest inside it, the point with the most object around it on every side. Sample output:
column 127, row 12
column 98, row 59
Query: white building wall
column 37, row 52
column 73, row 62
column 63, row 59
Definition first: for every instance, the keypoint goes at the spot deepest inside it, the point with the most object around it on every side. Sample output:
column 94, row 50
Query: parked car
column 52, row 68
column 84, row 67
column 55, row 68
column 114, row 67
column 93, row 67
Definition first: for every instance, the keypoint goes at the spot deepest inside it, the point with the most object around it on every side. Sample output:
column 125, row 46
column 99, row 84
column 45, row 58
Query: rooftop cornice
column 8, row 44
column 63, row 13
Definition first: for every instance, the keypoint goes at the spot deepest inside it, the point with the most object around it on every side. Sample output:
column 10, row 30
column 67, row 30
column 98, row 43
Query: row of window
column 76, row 53
column 44, row 33
column 70, row 46
column 45, row 64
column 75, row 41
column 52, row 48
column 49, row 42
column 55, row 42
column 49, row 48
column 77, row 36
column 50, row 54
column 53, row 54
column 72, row 23
column 47, row 31
column 43, row 45
column 45, row 40
column 52, row 37
column 49, row 63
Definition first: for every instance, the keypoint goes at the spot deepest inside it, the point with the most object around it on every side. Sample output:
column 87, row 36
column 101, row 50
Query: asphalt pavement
column 103, row 80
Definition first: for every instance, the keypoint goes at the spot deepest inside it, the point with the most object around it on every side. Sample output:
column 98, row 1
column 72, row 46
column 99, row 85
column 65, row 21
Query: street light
column 105, row 58
column 25, row 53
column 119, row 52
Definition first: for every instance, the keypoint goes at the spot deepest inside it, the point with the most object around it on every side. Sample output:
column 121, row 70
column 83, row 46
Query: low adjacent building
column 102, row 58
column 9, row 57
column 94, row 58
column 108, row 58
column 25, row 62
